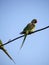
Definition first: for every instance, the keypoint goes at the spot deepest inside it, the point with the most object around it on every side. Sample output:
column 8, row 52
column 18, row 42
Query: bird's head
column 34, row 21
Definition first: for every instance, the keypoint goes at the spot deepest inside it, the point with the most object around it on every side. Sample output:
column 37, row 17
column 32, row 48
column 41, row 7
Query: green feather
column 23, row 41
column 5, row 51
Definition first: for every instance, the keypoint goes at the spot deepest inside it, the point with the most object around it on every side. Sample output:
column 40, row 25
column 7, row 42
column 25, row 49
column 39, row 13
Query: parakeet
column 28, row 29
column 5, row 51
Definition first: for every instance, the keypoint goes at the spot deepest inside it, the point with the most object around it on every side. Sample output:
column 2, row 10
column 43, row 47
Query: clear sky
column 14, row 16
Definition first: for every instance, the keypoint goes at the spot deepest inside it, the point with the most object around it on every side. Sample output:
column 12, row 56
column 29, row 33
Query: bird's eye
column 35, row 21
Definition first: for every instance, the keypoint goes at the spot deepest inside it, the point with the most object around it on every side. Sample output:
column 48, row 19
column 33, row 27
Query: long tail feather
column 23, row 41
column 7, row 54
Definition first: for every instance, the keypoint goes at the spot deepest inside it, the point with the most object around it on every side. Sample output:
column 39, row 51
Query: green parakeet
column 28, row 29
column 5, row 51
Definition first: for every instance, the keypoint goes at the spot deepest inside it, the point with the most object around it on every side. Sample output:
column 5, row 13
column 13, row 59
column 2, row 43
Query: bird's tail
column 23, row 41
column 5, row 51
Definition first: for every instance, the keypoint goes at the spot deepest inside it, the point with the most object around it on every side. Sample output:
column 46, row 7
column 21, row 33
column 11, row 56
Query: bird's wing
column 26, row 28
column 23, row 41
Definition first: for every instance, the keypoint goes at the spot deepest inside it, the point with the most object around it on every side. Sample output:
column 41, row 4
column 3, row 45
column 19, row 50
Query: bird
column 30, row 27
column 5, row 51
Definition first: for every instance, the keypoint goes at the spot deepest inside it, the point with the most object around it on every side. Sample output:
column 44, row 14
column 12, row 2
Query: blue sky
column 14, row 16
